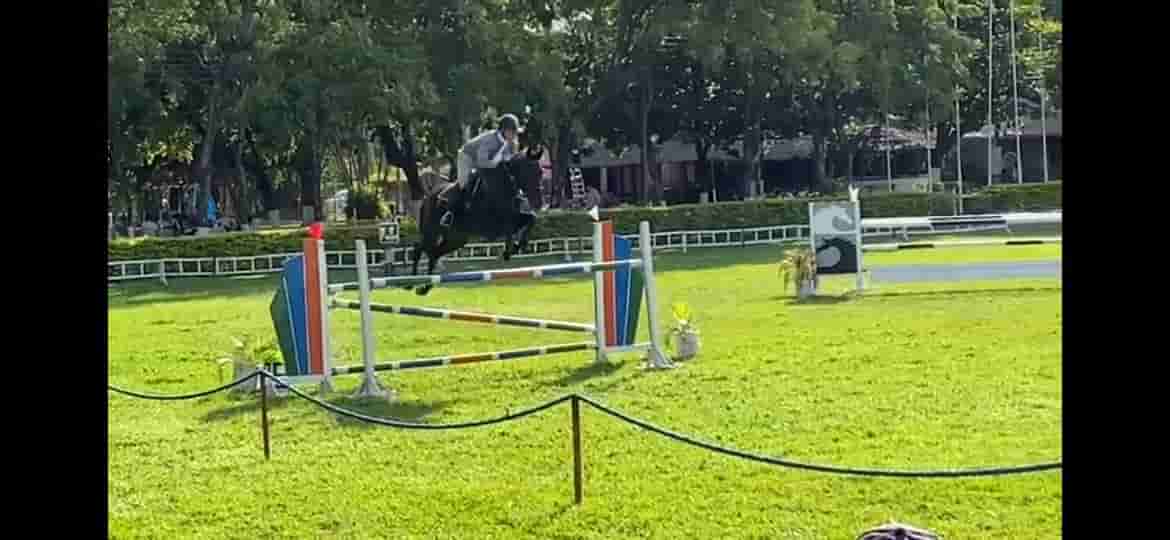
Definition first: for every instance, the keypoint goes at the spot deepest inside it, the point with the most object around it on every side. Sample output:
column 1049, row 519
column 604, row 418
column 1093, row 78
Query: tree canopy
column 279, row 100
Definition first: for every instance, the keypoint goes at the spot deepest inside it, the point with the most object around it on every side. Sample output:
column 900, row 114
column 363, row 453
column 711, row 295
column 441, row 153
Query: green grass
column 943, row 375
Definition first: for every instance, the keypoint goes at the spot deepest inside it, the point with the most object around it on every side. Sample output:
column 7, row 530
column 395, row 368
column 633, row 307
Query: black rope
column 415, row 425
column 183, row 396
column 954, row 473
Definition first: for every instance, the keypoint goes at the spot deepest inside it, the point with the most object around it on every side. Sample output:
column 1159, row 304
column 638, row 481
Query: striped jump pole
column 461, row 359
column 618, row 294
column 466, row 316
column 533, row 272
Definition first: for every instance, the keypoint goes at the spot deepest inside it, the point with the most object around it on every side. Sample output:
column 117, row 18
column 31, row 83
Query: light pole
column 1016, row 94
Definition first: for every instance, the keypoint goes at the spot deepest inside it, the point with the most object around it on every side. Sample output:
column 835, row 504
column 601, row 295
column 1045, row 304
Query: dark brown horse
column 498, row 208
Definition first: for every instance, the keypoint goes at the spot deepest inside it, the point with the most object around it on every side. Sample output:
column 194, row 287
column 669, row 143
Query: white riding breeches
column 463, row 165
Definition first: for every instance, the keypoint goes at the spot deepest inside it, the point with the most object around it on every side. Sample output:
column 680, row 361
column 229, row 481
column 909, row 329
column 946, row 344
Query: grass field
column 921, row 376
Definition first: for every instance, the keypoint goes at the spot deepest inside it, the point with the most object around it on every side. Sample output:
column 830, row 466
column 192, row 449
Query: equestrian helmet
column 509, row 121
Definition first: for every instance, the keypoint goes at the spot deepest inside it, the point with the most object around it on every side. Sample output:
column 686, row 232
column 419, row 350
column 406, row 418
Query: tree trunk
column 751, row 155
column 751, row 139
column 309, row 171
column 122, row 187
column 364, row 160
column 819, row 183
column 398, row 145
column 656, row 184
column 203, row 168
column 644, row 144
column 243, row 200
column 703, row 176
column 851, row 155
column 265, row 187
column 142, row 176
column 560, row 162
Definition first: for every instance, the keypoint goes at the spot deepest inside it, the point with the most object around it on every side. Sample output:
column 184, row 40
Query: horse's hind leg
column 509, row 248
column 417, row 256
column 423, row 289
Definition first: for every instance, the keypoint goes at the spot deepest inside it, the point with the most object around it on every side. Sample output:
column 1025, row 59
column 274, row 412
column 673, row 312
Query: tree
column 760, row 44
column 141, row 130
column 628, row 106
column 967, row 62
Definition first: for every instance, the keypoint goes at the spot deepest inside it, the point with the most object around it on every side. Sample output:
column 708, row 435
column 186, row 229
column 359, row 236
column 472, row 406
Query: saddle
column 458, row 201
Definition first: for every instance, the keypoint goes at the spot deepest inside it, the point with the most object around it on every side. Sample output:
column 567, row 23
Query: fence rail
column 545, row 247
column 568, row 246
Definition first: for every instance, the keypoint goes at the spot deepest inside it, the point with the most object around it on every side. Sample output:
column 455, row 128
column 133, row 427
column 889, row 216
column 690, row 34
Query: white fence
column 260, row 264
column 583, row 246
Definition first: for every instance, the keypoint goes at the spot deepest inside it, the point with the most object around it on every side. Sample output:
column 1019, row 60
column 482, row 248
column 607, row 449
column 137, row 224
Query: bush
column 556, row 224
column 1015, row 198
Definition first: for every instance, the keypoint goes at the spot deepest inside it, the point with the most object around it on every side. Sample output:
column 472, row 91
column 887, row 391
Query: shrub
column 556, row 224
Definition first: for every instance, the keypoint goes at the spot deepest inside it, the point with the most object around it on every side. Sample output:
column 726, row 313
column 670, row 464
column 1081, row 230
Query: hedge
column 728, row 215
column 1015, row 198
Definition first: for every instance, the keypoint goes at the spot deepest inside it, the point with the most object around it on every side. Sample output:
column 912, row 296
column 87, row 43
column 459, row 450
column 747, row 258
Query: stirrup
column 447, row 218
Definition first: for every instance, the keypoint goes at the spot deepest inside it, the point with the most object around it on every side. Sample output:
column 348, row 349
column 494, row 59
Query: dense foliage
column 269, row 104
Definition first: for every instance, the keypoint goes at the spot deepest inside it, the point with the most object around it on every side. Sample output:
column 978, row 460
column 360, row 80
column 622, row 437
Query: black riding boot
column 453, row 202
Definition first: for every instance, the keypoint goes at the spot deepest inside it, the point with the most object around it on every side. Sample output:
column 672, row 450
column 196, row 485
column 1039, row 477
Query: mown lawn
column 920, row 376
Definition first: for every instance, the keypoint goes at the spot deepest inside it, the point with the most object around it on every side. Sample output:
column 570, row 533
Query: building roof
column 676, row 151
column 1031, row 127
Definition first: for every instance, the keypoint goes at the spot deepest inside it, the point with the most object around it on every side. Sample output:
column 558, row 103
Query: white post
column 958, row 137
column 990, row 97
column 369, row 386
column 857, row 245
column 1043, row 116
column 656, row 356
column 929, row 165
column 889, row 166
column 598, row 295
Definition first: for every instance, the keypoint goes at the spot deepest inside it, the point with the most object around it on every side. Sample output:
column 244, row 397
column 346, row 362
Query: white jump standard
column 300, row 310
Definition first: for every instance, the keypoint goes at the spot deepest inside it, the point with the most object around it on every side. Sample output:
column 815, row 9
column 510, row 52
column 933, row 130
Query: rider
column 485, row 151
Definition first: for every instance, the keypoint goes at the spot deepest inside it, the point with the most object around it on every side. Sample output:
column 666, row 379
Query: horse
column 498, row 208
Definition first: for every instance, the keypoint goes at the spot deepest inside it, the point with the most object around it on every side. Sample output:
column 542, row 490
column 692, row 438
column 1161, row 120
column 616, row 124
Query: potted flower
column 248, row 355
column 799, row 267
column 684, row 332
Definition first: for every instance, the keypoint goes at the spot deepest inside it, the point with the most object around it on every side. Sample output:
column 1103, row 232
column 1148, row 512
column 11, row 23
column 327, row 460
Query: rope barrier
column 415, row 425
column 685, row 439
column 227, row 386
column 957, row 473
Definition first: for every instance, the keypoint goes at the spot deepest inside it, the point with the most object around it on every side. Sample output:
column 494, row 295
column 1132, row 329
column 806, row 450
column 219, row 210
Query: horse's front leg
column 509, row 247
column 522, row 243
column 416, row 256
column 425, row 288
